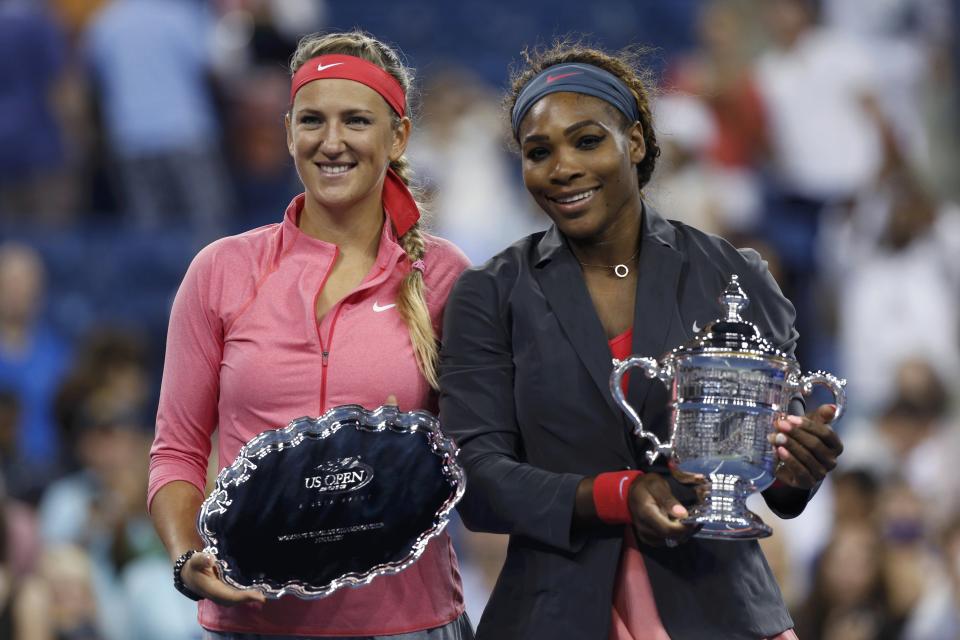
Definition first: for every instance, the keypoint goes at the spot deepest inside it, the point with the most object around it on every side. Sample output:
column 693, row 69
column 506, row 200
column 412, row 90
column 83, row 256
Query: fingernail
column 679, row 511
column 795, row 420
column 783, row 453
column 780, row 439
column 784, row 425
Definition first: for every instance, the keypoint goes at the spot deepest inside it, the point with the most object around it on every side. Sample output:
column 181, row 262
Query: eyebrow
column 345, row 112
column 579, row 125
column 576, row 125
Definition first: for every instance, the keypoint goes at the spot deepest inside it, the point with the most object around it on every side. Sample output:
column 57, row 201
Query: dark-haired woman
column 340, row 303
column 597, row 548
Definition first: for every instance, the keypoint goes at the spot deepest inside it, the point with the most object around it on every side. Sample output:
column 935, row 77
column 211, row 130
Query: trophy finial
column 734, row 299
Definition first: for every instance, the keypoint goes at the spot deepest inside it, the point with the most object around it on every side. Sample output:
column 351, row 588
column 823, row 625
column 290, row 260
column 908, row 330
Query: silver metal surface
column 341, row 417
column 728, row 386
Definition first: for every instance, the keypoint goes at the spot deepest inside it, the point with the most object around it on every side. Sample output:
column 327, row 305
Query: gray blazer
column 524, row 376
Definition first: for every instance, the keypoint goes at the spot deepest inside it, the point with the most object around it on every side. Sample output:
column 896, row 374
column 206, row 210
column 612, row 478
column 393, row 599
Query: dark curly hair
column 624, row 64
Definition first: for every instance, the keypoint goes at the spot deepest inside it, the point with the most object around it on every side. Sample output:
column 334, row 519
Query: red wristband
column 610, row 496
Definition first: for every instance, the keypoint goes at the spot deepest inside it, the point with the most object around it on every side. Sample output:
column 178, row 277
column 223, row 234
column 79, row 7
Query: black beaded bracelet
column 178, row 579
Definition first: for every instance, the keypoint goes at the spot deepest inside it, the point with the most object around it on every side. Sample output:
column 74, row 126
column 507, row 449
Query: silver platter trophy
column 331, row 502
column 728, row 386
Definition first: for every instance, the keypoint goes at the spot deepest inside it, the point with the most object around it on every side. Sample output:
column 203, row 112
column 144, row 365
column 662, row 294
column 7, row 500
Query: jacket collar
column 655, row 230
column 655, row 310
column 388, row 253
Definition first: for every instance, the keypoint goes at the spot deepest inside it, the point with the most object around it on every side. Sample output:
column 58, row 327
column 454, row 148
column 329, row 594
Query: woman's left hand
column 807, row 448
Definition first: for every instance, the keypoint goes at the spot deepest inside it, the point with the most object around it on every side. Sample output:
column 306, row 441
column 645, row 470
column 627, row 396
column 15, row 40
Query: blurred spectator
column 110, row 376
column 914, row 437
column 687, row 183
column 937, row 615
column 262, row 33
column 19, row 550
column 847, row 496
column 942, row 106
column 904, row 37
column 95, row 506
column 894, row 268
column 819, row 90
column 849, row 599
column 719, row 72
column 19, row 476
column 58, row 603
column 908, row 561
column 263, row 173
column 253, row 42
column 151, row 61
column 826, row 138
column 33, row 176
column 103, row 408
column 461, row 153
column 19, row 539
column 32, row 361
column 855, row 494
column 101, row 508
column 75, row 14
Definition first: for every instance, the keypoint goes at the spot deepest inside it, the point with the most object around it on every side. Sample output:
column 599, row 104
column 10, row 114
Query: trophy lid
column 731, row 332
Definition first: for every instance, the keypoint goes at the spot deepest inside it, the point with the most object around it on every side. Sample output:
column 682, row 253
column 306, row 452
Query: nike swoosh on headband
column 562, row 75
column 324, row 67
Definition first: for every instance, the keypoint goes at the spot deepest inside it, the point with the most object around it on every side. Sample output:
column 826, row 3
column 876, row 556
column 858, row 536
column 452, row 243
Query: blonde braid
column 412, row 305
column 411, row 299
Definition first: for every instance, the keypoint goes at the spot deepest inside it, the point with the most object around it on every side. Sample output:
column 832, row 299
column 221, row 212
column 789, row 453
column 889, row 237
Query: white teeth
column 335, row 169
column 576, row 198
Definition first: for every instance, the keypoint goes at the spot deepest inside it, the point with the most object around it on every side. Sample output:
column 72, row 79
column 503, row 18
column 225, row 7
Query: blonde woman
column 339, row 303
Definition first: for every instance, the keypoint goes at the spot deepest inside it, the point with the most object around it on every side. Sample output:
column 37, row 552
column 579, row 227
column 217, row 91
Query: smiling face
column 342, row 136
column 579, row 164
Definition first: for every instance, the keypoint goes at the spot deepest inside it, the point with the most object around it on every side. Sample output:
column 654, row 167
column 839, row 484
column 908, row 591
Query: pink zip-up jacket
column 245, row 353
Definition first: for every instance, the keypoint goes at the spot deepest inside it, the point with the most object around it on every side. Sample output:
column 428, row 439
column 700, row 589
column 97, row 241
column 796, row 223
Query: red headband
column 342, row 67
column 397, row 200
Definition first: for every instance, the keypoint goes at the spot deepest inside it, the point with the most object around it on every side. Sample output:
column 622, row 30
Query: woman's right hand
column 201, row 575
column 656, row 511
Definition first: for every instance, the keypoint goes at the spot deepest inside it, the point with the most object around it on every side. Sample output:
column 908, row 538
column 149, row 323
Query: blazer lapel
column 656, row 308
column 562, row 284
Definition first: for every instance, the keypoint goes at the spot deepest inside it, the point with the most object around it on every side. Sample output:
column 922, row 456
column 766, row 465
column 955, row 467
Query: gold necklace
column 620, row 270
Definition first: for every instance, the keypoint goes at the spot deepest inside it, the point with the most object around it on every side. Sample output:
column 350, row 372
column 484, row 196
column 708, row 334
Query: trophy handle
column 831, row 382
column 651, row 368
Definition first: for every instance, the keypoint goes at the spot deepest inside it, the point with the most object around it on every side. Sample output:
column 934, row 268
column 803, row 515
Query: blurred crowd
column 824, row 134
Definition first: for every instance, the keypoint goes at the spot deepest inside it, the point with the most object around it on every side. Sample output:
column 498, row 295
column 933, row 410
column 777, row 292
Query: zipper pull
column 325, row 358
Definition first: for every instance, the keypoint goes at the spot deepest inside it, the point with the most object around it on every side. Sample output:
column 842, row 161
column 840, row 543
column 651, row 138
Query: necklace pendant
column 621, row 271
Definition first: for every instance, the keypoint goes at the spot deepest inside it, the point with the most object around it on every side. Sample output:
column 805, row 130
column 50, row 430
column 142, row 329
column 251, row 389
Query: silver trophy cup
column 728, row 387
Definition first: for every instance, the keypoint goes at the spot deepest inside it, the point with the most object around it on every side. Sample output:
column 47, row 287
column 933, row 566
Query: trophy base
column 723, row 514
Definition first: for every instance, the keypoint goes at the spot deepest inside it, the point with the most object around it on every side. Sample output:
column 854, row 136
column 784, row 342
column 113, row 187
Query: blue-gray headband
column 577, row 78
